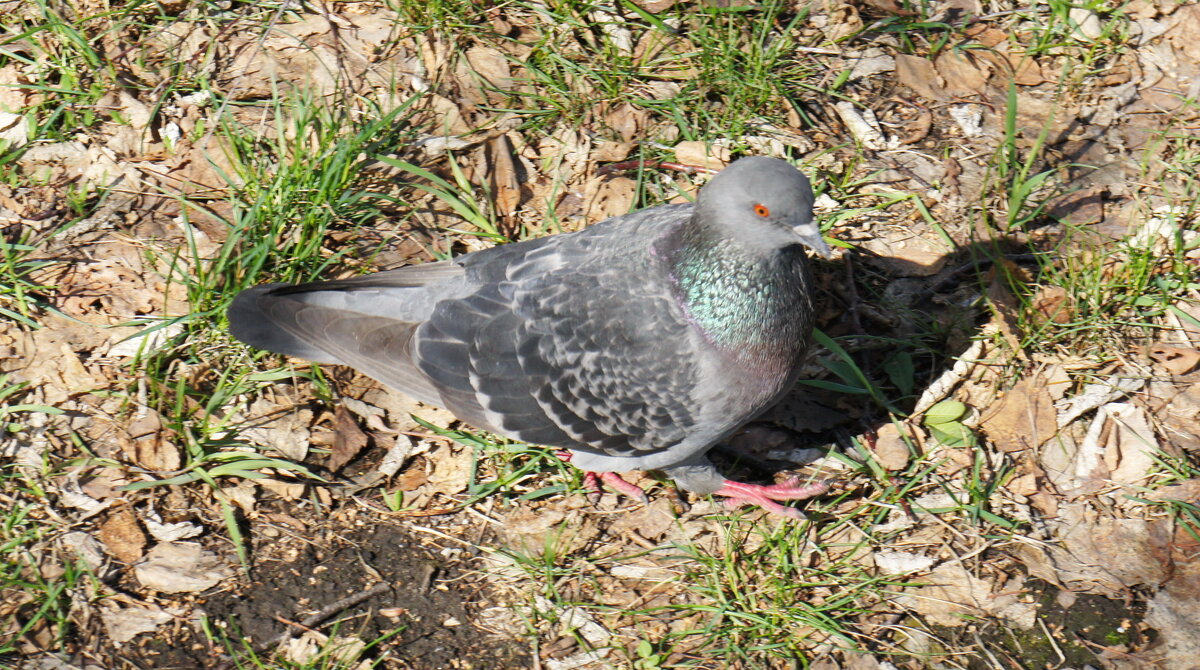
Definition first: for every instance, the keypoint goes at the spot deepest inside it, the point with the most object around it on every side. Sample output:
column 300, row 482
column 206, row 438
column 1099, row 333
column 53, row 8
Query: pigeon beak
column 810, row 236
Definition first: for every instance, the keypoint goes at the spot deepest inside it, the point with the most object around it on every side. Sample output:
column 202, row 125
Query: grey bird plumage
column 636, row 344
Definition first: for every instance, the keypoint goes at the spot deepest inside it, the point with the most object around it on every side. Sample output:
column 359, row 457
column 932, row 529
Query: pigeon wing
column 582, row 346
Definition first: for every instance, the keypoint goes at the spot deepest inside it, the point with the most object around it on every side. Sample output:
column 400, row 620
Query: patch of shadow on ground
column 428, row 603
column 1081, row 632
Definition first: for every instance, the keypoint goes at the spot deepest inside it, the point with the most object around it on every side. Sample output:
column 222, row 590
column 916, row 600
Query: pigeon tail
column 250, row 323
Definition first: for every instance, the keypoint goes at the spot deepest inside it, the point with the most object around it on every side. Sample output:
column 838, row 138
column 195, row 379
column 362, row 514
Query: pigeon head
column 761, row 203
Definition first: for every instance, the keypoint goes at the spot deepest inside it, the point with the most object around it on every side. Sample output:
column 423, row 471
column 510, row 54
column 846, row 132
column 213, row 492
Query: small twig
column 333, row 608
column 311, row 622
column 662, row 165
column 855, row 300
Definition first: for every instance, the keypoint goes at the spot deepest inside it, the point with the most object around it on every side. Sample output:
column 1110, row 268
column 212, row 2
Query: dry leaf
column 1026, row 70
column 920, row 75
column 894, row 7
column 611, row 152
column 702, row 154
column 608, row 196
column 1053, row 303
column 1175, row 613
column 127, row 623
column 145, row 443
column 1005, row 306
column 1056, row 380
column 282, row 429
column 901, row 563
column 862, row 125
column 655, row 6
column 244, row 494
column 1175, row 360
column 650, row 521
column 1079, row 207
column 1097, row 554
column 842, row 20
column 493, row 67
column 451, row 473
column 965, row 74
column 918, row 128
column 348, row 439
column 890, row 449
column 170, row 532
column 122, row 535
column 180, row 567
column 284, row 489
column 506, row 186
column 627, row 121
column 1181, row 416
column 953, row 597
column 1132, row 446
column 1023, row 419
column 904, row 254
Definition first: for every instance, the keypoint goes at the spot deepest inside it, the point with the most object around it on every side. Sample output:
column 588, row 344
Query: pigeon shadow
column 897, row 325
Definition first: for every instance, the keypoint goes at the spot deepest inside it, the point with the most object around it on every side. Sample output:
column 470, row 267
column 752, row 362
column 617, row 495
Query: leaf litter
column 1083, row 438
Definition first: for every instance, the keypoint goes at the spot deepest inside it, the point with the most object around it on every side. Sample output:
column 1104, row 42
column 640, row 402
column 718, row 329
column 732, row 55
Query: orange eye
column 762, row 211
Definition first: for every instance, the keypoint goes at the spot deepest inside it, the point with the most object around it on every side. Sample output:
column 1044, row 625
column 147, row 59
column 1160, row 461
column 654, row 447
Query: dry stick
column 325, row 613
column 642, row 165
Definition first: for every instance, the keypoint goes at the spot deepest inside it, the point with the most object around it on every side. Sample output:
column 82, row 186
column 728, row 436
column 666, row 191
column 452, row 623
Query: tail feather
column 277, row 318
column 249, row 322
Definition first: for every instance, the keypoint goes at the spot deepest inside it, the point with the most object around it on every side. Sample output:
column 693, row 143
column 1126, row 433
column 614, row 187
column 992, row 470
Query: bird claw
column 593, row 482
column 738, row 495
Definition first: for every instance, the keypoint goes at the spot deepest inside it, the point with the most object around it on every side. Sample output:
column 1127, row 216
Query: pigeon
column 638, row 343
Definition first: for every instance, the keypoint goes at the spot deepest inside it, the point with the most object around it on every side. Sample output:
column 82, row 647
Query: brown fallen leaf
column 965, row 74
column 122, row 536
column 605, row 197
column 1005, row 305
column 890, row 449
column 954, row 597
column 144, row 442
column 919, row 128
column 1186, row 491
column 921, row 76
column 1023, row 419
column 1026, row 70
column 492, row 66
column 1131, row 449
column 1181, row 416
column 1173, row 359
column 1053, row 303
column 284, row 429
column 506, row 186
column 1080, row 207
column 1174, row 612
column 627, row 121
column 1092, row 553
column 902, row 253
column 611, row 152
column 655, row 6
column 702, row 154
column 348, row 439
column 180, row 567
column 126, row 623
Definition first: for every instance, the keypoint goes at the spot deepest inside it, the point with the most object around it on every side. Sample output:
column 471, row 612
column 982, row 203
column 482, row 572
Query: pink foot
column 593, row 482
column 739, row 494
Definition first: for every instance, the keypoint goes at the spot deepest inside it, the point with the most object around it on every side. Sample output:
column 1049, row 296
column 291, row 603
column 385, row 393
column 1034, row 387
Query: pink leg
column 593, row 482
column 740, row 494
